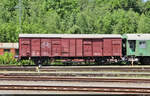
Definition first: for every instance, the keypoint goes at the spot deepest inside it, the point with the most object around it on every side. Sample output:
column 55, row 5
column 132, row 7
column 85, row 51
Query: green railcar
column 138, row 46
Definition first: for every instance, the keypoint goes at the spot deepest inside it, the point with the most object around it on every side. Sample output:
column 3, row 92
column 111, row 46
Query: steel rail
column 80, row 67
column 39, row 78
column 76, row 88
column 75, row 69
column 77, row 74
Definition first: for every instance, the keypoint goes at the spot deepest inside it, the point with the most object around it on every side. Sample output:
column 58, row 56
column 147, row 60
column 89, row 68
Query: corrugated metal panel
column 72, row 47
column 35, row 47
column 56, row 41
column 138, row 36
column 56, row 47
column 97, row 47
column 9, row 45
column 79, row 49
column 87, row 50
column 45, row 47
column 25, row 47
column 117, row 47
column 71, row 35
column 112, row 47
column 65, row 47
column 87, row 42
column 107, row 47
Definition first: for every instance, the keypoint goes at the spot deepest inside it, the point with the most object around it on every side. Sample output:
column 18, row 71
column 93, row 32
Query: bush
column 26, row 62
column 7, row 59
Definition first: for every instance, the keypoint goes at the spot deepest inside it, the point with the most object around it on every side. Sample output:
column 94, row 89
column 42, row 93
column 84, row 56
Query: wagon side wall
column 24, row 47
column 112, row 47
column 69, row 47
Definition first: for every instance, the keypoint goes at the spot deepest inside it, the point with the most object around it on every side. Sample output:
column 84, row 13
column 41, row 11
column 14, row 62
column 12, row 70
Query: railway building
column 10, row 48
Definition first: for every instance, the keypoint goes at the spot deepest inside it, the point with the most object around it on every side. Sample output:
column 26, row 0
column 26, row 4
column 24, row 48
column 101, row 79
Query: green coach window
column 132, row 44
column 142, row 44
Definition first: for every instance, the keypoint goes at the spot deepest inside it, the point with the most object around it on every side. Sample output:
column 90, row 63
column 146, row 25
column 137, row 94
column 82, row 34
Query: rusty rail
column 76, row 88
column 76, row 68
column 69, row 79
column 78, row 74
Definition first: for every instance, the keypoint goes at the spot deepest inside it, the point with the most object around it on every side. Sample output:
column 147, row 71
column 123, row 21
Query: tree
column 73, row 16
column 125, row 21
column 62, row 7
column 146, row 8
column 144, row 24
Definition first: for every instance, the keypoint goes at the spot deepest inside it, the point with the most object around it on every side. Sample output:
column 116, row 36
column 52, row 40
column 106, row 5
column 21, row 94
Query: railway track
column 91, row 68
column 69, row 79
column 57, row 74
column 79, row 74
column 72, row 74
column 76, row 88
column 77, row 71
column 77, row 68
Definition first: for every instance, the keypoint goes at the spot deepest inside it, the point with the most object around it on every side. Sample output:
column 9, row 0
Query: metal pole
column 20, row 15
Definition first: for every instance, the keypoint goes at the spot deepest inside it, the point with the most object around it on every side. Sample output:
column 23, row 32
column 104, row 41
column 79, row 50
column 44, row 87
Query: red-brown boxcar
column 97, row 47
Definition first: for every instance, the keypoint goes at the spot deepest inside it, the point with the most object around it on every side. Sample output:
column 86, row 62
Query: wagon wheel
column 98, row 61
column 87, row 61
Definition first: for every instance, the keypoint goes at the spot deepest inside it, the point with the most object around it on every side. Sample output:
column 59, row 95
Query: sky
column 144, row 0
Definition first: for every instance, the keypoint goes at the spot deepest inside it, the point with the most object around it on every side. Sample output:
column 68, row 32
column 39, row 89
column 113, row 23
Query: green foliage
column 146, row 8
column 73, row 16
column 26, row 62
column 125, row 21
column 144, row 24
column 63, row 7
column 7, row 59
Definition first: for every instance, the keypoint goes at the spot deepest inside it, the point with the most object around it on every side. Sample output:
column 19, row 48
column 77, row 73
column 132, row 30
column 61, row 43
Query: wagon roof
column 71, row 35
column 138, row 36
column 9, row 45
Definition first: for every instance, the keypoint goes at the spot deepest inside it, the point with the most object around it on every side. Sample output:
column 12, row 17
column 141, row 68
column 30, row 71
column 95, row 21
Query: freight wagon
column 97, row 47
